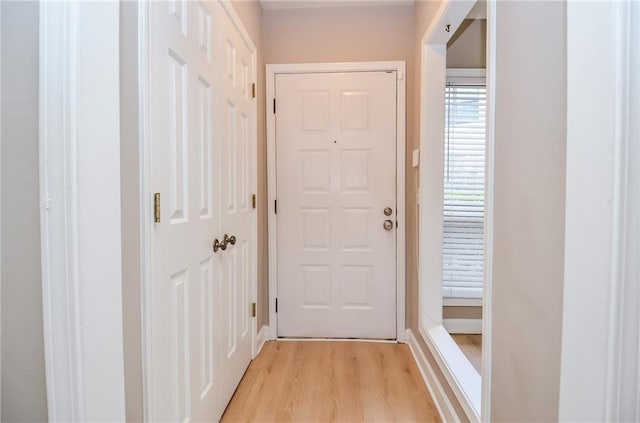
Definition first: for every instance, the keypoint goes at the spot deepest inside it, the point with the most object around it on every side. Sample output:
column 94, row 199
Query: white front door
column 336, row 178
column 200, row 339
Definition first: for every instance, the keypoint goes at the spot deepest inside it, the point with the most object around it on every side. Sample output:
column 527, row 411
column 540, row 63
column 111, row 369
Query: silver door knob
column 387, row 225
column 388, row 211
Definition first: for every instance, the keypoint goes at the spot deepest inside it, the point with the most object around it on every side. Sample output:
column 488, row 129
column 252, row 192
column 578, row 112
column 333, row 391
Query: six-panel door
column 237, row 214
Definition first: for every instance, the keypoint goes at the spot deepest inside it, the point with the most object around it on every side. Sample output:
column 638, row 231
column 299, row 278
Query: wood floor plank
column 331, row 381
column 471, row 346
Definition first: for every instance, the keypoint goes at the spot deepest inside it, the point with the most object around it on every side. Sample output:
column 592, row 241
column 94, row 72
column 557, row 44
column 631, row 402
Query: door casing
column 289, row 68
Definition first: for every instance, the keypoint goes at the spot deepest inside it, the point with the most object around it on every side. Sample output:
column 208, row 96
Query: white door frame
column 600, row 301
column 146, row 203
column 80, row 210
column 0, row 209
column 471, row 390
column 293, row 68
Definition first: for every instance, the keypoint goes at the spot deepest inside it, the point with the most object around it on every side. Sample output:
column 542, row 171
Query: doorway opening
column 455, row 199
column 464, row 193
column 326, row 230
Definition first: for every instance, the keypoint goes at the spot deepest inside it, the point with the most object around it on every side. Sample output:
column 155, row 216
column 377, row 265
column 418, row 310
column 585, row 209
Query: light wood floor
column 332, row 382
column 471, row 346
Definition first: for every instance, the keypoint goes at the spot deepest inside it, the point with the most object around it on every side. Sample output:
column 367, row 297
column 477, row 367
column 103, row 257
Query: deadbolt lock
column 388, row 211
column 388, row 225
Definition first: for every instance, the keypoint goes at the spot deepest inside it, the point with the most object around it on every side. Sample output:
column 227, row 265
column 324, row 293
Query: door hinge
column 156, row 207
column 275, row 206
column 253, row 201
column 276, row 304
column 253, row 90
column 274, row 106
column 253, row 309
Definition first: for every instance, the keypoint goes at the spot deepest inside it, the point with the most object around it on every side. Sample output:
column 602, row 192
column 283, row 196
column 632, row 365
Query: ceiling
column 314, row 4
column 479, row 11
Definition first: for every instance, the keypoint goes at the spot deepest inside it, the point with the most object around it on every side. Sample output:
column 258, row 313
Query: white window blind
column 464, row 174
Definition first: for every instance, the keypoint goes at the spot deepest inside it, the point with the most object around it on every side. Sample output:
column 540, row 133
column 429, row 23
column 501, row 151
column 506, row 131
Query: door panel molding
column 298, row 68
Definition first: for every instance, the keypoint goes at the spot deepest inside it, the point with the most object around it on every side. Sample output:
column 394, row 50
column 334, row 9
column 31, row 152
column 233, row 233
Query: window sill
column 461, row 302
column 462, row 377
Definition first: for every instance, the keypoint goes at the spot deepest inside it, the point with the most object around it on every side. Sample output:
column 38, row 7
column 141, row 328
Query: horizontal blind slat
column 463, row 211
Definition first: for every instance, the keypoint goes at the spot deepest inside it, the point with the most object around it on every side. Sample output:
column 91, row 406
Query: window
column 464, row 182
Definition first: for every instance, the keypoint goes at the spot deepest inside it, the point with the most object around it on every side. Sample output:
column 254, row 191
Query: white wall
column 23, row 375
column 530, row 163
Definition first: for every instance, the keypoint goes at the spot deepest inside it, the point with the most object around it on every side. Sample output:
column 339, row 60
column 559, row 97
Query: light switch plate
column 416, row 158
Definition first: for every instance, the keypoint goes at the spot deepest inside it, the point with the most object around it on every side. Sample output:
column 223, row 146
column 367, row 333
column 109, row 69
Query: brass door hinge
column 253, row 90
column 253, row 201
column 156, row 207
column 253, row 309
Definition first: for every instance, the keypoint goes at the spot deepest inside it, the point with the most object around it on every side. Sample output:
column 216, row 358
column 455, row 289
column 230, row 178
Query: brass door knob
column 388, row 211
column 230, row 239
column 387, row 225
column 217, row 245
column 222, row 245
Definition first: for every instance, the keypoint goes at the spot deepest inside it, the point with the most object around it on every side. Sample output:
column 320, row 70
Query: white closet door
column 201, row 340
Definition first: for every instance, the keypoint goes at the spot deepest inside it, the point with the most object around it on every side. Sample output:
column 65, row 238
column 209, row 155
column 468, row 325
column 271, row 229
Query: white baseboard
column 263, row 335
column 438, row 394
column 379, row 341
column 469, row 326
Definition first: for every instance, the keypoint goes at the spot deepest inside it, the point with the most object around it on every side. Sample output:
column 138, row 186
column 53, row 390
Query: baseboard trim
column 469, row 326
column 379, row 341
column 263, row 335
column 441, row 400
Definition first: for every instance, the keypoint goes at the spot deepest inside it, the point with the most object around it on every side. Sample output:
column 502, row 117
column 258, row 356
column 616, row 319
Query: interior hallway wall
column 424, row 13
column 24, row 396
column 529, row 210
column 468, row 46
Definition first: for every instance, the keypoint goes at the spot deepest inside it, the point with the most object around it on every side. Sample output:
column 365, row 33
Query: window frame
column 468, row 77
